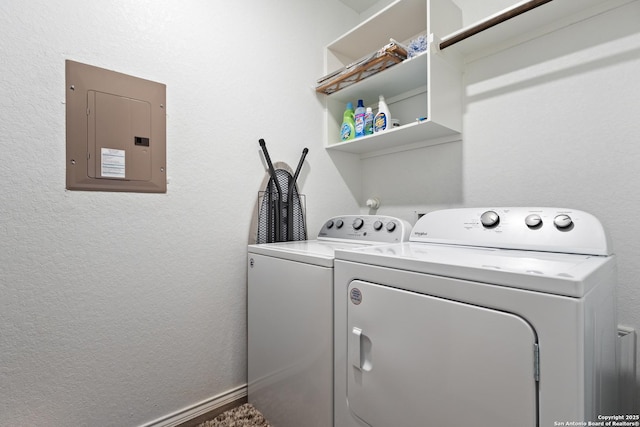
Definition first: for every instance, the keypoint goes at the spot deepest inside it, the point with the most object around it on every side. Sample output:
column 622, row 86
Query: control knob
column 490, row 219
column 377, row 225
column 391, row 226
column 563, row 221
column 533, row 220
column 339, row 223
column 330, row 223
column 357, row 223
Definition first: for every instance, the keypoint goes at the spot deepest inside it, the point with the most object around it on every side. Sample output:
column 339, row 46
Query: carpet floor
column 242, row 416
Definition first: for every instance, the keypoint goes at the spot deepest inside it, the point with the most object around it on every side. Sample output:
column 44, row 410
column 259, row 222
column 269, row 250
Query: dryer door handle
column 360, row 350
column 355, row 347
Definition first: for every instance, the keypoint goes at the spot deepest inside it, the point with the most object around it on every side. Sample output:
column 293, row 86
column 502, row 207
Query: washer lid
column 308, row 251
column 571, row 275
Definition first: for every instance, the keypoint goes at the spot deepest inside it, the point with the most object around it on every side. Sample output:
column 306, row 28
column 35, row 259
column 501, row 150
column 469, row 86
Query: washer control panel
column 540, row 229
column 367, row 228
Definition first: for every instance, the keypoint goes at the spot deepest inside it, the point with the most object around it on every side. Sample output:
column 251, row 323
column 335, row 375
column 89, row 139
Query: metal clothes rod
column 505, row 16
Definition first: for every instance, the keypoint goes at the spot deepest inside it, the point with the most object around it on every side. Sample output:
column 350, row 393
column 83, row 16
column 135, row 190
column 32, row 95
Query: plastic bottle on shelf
column 368, row 121
column 382, row 120
column 348, row 128
column 359, row 118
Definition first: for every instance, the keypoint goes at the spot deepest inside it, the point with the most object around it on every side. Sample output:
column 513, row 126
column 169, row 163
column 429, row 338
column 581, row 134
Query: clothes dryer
column 490, row 317
column 290, row 318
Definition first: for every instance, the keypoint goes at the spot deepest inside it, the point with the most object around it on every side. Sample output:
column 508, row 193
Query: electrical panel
column 116, row 131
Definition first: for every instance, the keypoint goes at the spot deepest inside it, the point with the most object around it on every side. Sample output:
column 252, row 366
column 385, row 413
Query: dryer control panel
column 526, row 228
column 366, row 228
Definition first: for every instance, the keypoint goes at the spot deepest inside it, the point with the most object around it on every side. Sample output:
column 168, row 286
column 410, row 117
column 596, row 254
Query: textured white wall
column 117, row 309
column 551, row 122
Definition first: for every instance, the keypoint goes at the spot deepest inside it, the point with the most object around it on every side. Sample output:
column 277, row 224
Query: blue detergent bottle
column 359, row 118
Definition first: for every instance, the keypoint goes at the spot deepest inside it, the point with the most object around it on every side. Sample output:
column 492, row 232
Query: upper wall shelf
column 395, row 80
column 425, row 86
column 524, row 20
column 400, row 20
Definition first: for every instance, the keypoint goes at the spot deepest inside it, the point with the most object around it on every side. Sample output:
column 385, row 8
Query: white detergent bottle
column 382, row 121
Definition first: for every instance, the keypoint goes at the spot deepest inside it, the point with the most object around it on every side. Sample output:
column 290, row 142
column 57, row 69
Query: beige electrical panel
column 116, row 131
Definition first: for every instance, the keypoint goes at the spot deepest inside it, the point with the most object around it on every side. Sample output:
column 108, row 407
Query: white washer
column 486, row 317
column 290, row 318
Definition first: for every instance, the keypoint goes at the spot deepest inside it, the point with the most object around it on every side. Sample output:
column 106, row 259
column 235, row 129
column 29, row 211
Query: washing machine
column 290, row 318
column 494, row 317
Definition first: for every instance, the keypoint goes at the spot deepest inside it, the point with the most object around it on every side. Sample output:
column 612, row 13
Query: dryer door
column 416, row 360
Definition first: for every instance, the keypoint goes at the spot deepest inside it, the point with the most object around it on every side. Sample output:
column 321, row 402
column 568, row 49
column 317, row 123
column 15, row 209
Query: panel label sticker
column 112, row 163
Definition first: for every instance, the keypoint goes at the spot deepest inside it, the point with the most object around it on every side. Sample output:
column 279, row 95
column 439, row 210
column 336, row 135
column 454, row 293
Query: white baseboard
column 193, row 411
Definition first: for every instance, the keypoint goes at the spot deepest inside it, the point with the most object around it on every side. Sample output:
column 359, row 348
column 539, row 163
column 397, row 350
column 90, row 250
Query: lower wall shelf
column 405, row 137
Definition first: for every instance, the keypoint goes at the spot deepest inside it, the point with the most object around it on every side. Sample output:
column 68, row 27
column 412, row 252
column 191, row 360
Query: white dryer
column 290, row 318
column 486, row 318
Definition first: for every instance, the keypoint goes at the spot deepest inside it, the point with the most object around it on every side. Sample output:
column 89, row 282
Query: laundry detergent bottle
column 368, row 121
column 348, row 128
column 382, row 120
column 359, row 118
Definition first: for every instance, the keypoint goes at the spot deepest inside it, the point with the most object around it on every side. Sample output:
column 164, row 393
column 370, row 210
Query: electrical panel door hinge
column 536, row 362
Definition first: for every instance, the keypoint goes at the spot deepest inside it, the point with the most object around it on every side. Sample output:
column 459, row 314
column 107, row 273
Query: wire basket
column 277, row 214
